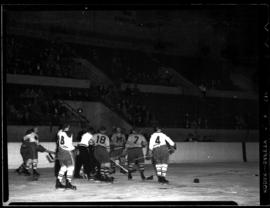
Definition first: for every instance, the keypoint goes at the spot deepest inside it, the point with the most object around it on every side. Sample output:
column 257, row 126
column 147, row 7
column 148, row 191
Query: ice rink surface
column 237, row 182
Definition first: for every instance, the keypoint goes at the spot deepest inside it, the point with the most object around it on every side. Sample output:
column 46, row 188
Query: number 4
column 157, row 140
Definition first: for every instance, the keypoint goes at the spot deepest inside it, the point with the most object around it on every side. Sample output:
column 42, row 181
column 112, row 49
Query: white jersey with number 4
column 65, row 141
column 158, row 139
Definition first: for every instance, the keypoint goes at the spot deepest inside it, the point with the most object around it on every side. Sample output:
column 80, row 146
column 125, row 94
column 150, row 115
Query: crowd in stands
column 42, row 58
column 134, row 109
column 124, row 65
column 40, row 104
column 55, row 58
column 34, row 106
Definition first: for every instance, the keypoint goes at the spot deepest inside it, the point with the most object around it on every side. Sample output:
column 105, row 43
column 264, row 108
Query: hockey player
column 25, row 150
column 118, row 141
column 65, row 155
column 102, row 153
column 134, row 148
column 160, row 152
column 29, row 151
column 83, row 158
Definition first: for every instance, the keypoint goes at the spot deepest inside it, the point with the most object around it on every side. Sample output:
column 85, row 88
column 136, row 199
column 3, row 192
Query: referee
column 83, row 157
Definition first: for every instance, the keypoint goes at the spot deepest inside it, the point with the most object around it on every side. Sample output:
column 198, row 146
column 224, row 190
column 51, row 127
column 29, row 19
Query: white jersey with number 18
column 101, row 140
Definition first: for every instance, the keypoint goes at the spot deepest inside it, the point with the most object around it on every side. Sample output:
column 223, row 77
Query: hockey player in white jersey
column 158, row 148
column 65, row 156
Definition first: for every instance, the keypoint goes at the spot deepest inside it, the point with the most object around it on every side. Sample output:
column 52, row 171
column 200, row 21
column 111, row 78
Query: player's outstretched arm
column 49, row 151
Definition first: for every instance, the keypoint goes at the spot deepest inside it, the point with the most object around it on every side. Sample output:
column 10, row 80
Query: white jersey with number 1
column 158, row 139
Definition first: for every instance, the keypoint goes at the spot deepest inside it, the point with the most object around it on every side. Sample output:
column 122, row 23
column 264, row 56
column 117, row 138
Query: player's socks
column 158, row 169
column 164, row 168
column 58, row 184
column 142, row 175
column 130, row 170
column 112, row 167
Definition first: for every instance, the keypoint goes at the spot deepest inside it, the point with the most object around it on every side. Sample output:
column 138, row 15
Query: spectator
column 187, row 124
column 203, row 89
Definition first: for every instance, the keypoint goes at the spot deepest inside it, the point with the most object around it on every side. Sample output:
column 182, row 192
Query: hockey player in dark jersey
column 118, row 141
column 102, row 153
column 29, row 152
column 134, row 148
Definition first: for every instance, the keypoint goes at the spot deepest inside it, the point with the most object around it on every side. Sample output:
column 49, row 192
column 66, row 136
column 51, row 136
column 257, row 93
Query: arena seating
column 46, row 58
column 172, row 110
column 199, row 71
column 55, row 58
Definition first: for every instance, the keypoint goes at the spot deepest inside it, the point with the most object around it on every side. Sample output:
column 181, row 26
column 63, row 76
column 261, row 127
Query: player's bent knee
column 70, row 168
column 63, row 168
column 29, row 161
column 107, row 165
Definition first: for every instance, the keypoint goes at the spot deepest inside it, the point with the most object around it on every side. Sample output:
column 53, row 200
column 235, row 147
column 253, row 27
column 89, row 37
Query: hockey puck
column 196, row 180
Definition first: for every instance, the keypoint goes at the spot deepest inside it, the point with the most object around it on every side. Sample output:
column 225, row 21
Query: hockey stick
column 144, row 157
column 120, row 166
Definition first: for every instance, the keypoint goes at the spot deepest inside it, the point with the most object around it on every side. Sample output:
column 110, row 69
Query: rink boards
column 187, row 152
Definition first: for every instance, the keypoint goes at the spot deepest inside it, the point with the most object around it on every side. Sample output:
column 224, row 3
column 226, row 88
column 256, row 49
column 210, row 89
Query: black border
column 264, row 113
column 263, row 94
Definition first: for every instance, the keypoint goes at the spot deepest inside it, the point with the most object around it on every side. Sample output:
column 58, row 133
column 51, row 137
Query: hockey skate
column 26, row 172
column 59, row 185
column 70, row 186
column 36, row 173
column 19, row 170
column 151, row 177
column 129, row 176
column 109, row 179
column 163, row 180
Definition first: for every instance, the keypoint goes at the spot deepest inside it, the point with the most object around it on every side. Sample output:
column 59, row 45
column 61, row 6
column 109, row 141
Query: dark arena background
column 191, row 71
